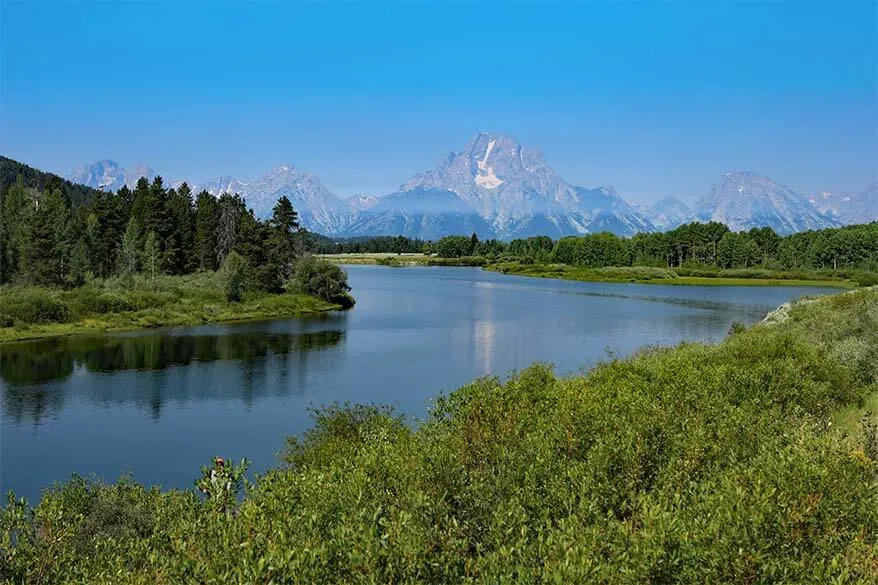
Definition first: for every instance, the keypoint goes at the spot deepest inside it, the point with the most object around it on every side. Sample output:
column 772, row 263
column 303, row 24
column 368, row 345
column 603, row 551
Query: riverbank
column 138, row 303
column 650, row 275
column 611, row 274
column 400, row 260
column 699, row 463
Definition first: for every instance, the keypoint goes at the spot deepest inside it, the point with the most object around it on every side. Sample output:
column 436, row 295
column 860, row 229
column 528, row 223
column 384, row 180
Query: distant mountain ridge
column 109, row 175
column 497, row 187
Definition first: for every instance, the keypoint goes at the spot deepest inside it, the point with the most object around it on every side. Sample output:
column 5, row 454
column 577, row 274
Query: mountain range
column 497, row 187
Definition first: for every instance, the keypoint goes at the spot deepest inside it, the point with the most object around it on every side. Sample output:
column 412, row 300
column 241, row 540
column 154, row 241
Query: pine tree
column 184, row 221
column 15, row 214
column 206, row 225
column 143, row 204
column 47, row 248
column 280, row 244
column 231, row 208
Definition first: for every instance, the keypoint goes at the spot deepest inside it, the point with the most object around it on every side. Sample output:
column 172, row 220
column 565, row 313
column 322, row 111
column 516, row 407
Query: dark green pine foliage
column 47, row 241
column 231, row 208
column 250, row 243
column 206, row 226
column 16, row 208
column 179, row 242
column 280, row 245
column 143, row 205
column 105, row 223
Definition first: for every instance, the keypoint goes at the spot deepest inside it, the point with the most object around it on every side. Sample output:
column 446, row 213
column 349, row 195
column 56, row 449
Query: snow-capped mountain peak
column 745, row 199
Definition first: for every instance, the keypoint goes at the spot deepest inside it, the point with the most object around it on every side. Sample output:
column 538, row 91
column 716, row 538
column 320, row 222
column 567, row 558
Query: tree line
column 48, row 238
column 696, row 244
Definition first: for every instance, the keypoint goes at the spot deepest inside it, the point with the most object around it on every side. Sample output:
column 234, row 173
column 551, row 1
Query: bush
column 33, row 305
column 234, row 277
column 323, row 280
column 91, row 302
column 388, row 261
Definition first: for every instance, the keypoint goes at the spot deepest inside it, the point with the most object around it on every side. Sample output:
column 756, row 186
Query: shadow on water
column 32, row 372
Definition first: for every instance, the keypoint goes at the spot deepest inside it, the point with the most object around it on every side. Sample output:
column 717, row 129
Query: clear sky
column 656, row 99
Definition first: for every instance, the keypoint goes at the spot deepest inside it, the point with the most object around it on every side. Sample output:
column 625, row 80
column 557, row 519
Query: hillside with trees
column 63, row 245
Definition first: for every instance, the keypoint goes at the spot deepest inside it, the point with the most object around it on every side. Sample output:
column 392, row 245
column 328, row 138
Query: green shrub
column 234, row 277
column 34, row 305
column 388, row 261
column 91, row 302
column 323, row 280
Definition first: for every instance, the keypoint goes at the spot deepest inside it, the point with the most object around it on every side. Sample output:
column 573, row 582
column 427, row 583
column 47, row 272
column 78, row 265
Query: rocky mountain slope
column 497, row 187
column 848, row 208
column 744, row 200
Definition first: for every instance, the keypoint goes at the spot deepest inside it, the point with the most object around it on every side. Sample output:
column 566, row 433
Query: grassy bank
column 639, row 274
column 650, row 275
column 136, row 303
column 695, row 464
column 384, row 259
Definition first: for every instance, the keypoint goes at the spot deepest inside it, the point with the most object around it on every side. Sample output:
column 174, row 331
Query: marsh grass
column 693, row 464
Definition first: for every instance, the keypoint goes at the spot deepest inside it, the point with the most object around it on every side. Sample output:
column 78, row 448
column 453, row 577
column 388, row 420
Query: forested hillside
column 54, row 233
column 12, row 172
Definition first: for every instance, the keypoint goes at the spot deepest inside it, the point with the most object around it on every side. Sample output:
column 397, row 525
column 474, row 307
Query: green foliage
column 696, row 464
column 137, row 301
column 221, row 484
column 388, row 261
column 46, row 253
column 234, row 277
column 34, row 305
column 455, row 246
column 151, row 256
column 323, row 280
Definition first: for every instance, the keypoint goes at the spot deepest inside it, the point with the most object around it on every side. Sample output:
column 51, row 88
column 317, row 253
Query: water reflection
column 38, row 376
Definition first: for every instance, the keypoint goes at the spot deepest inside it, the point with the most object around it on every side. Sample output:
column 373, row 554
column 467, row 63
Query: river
column 161, row 403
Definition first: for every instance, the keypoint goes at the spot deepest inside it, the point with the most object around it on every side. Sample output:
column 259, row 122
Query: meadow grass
column 137, row 303
column 693, row 464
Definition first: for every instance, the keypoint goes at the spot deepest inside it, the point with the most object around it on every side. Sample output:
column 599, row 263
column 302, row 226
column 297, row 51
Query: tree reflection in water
column 31, row 372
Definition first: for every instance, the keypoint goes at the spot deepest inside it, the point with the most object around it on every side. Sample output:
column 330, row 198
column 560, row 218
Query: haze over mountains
column 497, row 187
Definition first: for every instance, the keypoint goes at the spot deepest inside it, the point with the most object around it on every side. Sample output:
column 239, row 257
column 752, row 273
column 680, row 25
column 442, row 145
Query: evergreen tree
column 143, row 204
column 15, row 212
column 179, row 240
column 206, row 227
column 231, row 208
column 280, row 252
column 47, row 248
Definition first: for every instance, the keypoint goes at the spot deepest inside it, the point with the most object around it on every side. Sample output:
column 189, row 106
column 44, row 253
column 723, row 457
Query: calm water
column 160, row 404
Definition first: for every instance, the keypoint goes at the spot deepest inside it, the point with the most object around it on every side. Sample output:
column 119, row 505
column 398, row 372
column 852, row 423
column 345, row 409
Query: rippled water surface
column 160, row 404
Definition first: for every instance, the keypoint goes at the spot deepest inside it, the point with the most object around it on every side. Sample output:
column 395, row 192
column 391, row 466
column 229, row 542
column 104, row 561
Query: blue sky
column 656, row 99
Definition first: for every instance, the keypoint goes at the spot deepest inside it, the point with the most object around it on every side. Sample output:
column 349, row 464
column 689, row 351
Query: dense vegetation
column 752, row 461
column 140, row 301
column 695, row 245
column 116, row 249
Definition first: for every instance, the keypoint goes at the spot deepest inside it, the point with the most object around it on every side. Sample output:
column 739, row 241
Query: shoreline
column 263, row 308
column 576, row 274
